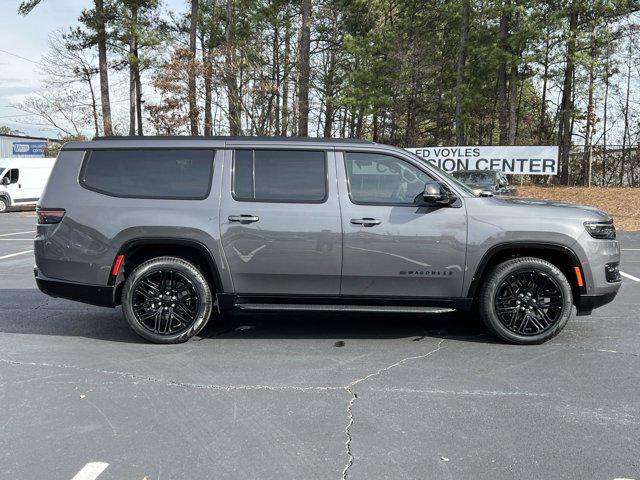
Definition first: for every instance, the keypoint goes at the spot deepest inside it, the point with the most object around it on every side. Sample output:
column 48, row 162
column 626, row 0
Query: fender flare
column 484, row 262
column 185, row 242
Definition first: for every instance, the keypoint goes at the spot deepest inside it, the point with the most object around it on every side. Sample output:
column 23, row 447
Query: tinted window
column 279, row 175
column 149, row 173
column 375, row 178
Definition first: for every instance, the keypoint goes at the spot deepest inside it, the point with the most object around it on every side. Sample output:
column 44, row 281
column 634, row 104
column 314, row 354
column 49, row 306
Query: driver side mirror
column 436, row 194
column 5, row 181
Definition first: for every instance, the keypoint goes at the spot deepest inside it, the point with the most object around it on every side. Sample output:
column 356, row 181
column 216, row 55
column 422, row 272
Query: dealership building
column 23, row 146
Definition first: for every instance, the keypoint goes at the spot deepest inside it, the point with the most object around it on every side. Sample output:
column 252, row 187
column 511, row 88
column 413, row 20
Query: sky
column 27, row 37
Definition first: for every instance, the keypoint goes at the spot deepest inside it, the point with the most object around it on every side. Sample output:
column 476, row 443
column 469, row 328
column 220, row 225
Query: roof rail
column 234, row 138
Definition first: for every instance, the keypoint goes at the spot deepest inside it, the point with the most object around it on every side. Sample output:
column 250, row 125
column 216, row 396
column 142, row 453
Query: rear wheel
column 167, row 300
column 526, row 301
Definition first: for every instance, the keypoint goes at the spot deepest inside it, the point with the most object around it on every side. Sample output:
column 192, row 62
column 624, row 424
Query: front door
column 280, row 222
column 392, row 247
column 14, row 186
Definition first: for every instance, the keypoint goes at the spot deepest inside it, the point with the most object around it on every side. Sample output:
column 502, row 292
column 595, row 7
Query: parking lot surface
column 301, row 396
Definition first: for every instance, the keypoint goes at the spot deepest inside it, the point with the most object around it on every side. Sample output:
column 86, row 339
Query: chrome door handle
column 243, row 218
column 367, row 222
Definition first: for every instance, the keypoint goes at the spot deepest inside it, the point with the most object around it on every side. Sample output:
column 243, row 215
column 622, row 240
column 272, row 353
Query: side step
column 340, row 308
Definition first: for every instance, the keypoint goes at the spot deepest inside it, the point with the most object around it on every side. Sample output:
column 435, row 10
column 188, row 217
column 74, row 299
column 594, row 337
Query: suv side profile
column 176, row 229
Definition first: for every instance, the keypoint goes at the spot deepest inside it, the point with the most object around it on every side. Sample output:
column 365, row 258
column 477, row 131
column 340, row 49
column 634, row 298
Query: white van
column 22, row 180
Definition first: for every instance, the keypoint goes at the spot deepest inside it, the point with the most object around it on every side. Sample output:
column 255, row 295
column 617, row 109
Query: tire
column 518, row 318
column 3, row 205
column 167, row 300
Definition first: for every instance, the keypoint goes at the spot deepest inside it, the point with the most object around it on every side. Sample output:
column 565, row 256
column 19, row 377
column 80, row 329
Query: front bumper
column 586, row 303
column 100, row 295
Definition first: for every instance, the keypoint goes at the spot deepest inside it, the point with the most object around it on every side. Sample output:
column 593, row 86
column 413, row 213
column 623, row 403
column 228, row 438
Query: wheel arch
column 7, row 198
column 561, row 256
column 139, row 250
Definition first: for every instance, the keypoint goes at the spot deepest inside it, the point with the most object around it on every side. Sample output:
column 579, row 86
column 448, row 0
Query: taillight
column 47, row 216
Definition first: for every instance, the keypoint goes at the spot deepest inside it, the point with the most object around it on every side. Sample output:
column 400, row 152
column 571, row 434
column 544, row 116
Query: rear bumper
column 100, row 295
column 586, row 303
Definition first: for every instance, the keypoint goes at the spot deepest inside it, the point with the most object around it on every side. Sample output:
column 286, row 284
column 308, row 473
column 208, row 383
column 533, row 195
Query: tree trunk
column 329, row 86
column 591, row 115
column 304, row 70
column 133, row 60
column 233, row 97
column 462, row 61
column 138, row 92
column 502, row 76
column 102, row 65
column 276, row 79
column 94, row 107
column 513, row 101
column 625, row 132
column 566, row 105
column 604, row 123
column 542, row 129
column 285, row 78
column 206, row 61
column 193, row 106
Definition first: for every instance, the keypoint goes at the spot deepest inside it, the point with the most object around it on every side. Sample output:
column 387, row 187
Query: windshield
column 446, row 175
column 475, row 178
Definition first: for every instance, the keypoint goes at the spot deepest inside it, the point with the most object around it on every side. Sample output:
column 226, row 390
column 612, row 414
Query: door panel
column 14, row 189
column 391, row 247
column 281, row 247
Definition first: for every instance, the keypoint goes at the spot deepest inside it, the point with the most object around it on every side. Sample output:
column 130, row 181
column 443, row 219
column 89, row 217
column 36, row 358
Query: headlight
column 603, row 230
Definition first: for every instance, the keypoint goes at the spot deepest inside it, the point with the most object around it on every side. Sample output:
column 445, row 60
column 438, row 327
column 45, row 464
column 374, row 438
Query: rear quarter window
column 149, row 173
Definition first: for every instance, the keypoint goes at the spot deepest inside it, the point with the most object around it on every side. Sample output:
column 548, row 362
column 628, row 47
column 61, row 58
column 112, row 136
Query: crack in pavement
column 349, row 388
column 594, row 349
column 170, row 382
column 354, row 396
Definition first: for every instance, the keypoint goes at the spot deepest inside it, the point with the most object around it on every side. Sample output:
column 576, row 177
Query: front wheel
column 3, row 205
column 167, row 300
column 526, row 301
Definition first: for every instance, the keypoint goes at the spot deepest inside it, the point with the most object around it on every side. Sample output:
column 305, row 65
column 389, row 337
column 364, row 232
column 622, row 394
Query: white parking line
column 16, row 233
column 15, row 254
column 91, row 471
column 15, row 239
column 630, row 277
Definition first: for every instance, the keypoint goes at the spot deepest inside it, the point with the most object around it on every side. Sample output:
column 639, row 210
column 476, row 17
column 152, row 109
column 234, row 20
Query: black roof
column 236, row 138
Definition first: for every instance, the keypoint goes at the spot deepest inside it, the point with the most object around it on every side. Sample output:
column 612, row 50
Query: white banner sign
column 526, row 160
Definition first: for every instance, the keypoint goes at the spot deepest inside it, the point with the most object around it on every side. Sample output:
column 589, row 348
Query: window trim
column 379, row 204
column 255, row 200
column 89, row 152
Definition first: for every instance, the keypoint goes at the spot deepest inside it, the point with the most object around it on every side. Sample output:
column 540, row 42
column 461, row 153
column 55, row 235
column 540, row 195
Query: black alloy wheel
column 525, row 300
column 167, row 300
column 529, row 302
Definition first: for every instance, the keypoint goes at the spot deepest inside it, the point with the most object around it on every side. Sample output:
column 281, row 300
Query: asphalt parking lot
column 311, row 396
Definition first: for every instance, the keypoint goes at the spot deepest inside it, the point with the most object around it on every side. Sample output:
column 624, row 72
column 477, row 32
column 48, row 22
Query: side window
column 383, row 179
column 13, row 175
column 280, row 176
column 148, row 173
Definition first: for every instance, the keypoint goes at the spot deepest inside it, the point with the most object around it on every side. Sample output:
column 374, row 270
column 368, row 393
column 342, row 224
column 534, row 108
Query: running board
column 341, row 308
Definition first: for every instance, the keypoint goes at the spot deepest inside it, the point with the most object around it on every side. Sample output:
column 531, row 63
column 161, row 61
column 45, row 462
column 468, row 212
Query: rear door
column 280, row 221
column 392, row 247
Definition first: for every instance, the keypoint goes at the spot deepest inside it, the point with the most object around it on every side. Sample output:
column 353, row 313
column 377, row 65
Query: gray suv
column 177, row 229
